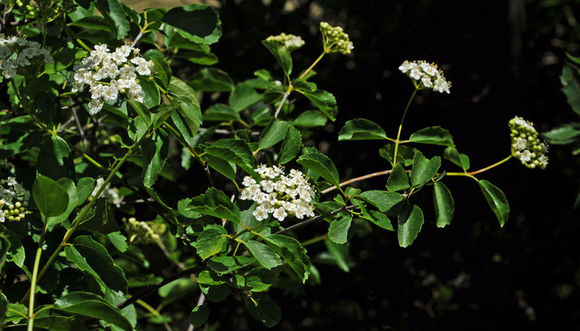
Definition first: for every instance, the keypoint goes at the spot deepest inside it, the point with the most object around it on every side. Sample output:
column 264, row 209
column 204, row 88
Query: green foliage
column 200, row 201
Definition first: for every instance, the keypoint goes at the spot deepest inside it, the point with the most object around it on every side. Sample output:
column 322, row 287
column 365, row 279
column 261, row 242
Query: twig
column 153, row 288
column 357, row 179
column 282, row 103
column 315, row 218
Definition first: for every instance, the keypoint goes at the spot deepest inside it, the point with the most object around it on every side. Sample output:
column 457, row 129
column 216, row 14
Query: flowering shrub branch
column 113, row 134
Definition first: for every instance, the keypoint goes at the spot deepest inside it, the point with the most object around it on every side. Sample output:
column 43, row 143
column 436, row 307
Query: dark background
column 504, row 59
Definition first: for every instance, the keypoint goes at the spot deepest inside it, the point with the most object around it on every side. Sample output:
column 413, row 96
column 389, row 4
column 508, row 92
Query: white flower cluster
column 426, row 75
column 13, row 200
column 279, row 194
column 111, row 194
column 109, row 73
column 140, row 232
column 334, row 39
column 290, row 41
column 526, row 144
column 16, row 52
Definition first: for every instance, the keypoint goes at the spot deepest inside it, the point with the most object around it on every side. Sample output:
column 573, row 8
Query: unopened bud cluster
column 17, row 53
column 49, row 9
column 526, row 144
column 334, row 39
column 13, row 200
column 290, row 41
column 278, row 194
column 426, row 75
column 110, row 194
column 109, row 74
column 140, row 232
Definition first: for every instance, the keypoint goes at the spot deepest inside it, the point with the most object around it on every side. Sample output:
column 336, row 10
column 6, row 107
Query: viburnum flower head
column 110, row 74
column 426, row 75
column 526, row 144
column 334, row 39
column 16, row 52
column 140, row 232
column 290, row 41
column 278, row 194
column 13, row 200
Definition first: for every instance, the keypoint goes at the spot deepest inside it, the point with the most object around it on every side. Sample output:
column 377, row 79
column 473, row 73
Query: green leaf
column 398, row 179
column 405, row 154
column 244, row 96
column 189, row 110
column 152, row 96
column 85, row 187
column 338, row 229
column 274, row 132
column 94, row 259
column 433, row 135
column 227, row 264
column 310, row 119
column 113, row 10
column 459, row 159
column 199, row 316
column 319, row 164
column 281, row 54
column 198, row 23
column 208, row 277
column 444, row 204
column 361, row 129
column 220, row 112
column 293, row 253
column 161, row 68
column 424, row 169
column 91, row 305
column 382, row 200
column 264, row 254
column 339, row 253
column 496, row 200
column 211, row 241
column 381, row 220
column 118, row 240
column 212, row 80
column 410, row 224
column 291, row 146
column 154, row 154
column 235, row 151
column 324, row 101
column 54, row 159
column 571, row 87
column 72, row 194
column 268, row 311
column 563, row 135
column 224, row 167
column 213, row 202
column 50, row 198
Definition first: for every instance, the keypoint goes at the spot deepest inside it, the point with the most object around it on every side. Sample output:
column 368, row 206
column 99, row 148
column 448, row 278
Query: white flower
column 279, row 194
column 111, row 74
column 521, row 144
column 526, row 144
column 425, row 75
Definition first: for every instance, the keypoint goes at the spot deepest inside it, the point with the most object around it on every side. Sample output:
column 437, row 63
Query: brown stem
column 315, row 218
column 357, row 179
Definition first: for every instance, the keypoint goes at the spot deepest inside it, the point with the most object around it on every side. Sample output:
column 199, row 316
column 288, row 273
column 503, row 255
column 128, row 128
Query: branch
column 153, row 288
column 315, row 218
column 357, row 179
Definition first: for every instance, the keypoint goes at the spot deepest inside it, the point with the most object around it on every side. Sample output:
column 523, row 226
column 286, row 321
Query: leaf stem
column 81, row 215
column 312, row 65
column 34, row 278
column 397, row 141
column 473, row 173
